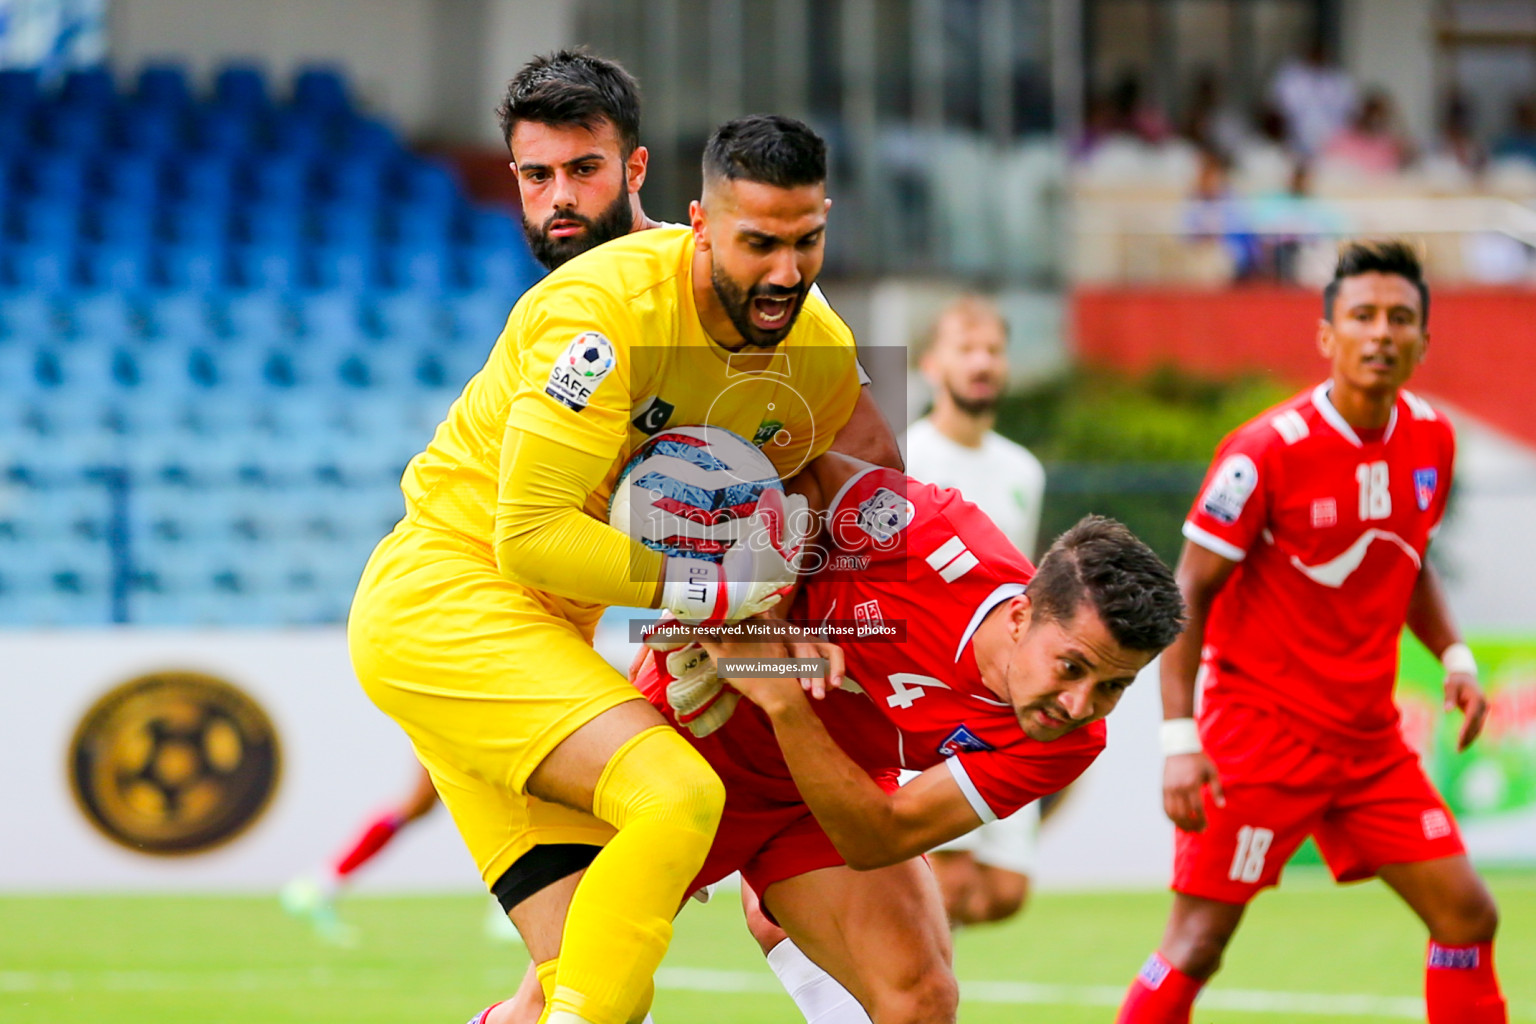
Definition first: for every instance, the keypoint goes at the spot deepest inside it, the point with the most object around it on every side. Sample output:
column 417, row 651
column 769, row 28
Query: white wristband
column 1179, row 736
column 1458, row 659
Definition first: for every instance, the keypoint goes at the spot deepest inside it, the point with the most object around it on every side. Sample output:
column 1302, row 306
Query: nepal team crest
column 962, row 739
column 1424, row 483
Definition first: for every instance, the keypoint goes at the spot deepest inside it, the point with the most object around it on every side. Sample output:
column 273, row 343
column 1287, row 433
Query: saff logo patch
column 577, row 372
column 963, row 739
column 1424, row 482
column 1231, row 487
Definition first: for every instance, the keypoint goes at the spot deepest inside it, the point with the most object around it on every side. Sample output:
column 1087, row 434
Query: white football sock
column 815, row 992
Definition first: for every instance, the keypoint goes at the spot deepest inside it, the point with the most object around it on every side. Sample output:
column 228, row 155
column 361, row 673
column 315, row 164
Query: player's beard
column 614, row 222
column 737, row 303
column 973, row 407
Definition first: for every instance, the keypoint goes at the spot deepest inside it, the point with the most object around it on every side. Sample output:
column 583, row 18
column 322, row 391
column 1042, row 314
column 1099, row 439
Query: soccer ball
column 686, row 491
column 590, row 356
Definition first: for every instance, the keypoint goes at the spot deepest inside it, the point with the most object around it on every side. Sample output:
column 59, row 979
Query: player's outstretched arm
column 1429, row 617
column 869, row 827
column 1201, row 574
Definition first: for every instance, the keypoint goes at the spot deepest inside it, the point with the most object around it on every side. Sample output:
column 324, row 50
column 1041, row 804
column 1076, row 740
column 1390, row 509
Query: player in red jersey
column 965, row 663
column 1305, row 557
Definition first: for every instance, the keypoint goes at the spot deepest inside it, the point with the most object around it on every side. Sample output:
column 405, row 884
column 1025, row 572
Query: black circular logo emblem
column 174, row 763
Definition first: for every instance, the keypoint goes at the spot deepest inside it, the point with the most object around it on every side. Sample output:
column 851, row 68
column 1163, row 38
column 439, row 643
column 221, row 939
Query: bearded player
column 1305, row 557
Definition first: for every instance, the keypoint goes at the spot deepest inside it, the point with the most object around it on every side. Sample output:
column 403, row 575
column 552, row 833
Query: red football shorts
column 1364, row 811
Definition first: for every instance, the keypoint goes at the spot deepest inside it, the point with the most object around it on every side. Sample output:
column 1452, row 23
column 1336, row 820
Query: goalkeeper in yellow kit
column 473, row 621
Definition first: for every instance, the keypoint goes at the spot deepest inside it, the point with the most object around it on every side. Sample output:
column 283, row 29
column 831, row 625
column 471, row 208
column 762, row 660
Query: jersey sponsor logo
column 585, row 363
column 963, row 739
column 1424, row 481
column 766, row 431
column 1455, row 958
column 1233, row 485
column 1325, row 513
column 867, row 617
column 1435, row 823
column 652, row 416
column 885, row 514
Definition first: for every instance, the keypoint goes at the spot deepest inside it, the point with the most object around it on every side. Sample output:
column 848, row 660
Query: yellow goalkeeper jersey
column 605, row 352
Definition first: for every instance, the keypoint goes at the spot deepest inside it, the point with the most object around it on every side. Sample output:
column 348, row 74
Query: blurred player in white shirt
column 984, row 875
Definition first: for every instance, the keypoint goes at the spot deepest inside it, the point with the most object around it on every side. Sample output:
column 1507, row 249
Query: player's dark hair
column 1390, row 256
column 766, row 148
column 1101, row 562
column 573, row 88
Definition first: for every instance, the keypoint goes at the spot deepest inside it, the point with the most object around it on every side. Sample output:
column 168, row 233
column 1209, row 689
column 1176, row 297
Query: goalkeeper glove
column 697, row 697
column 758, row 569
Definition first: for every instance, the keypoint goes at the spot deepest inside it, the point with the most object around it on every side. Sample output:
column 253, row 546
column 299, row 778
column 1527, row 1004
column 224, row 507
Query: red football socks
column 1460, row 986
column 373, row 839
column 1161, row 994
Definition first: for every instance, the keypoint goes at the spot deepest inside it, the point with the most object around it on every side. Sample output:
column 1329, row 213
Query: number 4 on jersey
column 906, row 687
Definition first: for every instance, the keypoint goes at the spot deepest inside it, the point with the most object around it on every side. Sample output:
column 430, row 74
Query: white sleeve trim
column 972, row 794
column 863, row 373
column 1213, row 543
column 837, row 499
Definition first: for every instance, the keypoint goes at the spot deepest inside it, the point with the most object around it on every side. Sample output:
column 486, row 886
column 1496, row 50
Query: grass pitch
column 1310, row 952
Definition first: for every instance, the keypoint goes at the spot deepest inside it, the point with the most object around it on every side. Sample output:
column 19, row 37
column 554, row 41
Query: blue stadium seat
column 29, row 316
column 459, row 363
column 196, row 222
column 88, row 87
column 180, row 317
column 322, row 88
column 478, row 316
column 282, row 179
column 199, row 265
column 124, row 266
column 163, row 85
column 410, row 317
column 50, row 221
column 356, row 179
column 419, row 224
column 144, row 128
column 430, row 183
column 298, row 132
column 271, row 222
column 57, row 175
column 133, row 178
column 506, row 270
column 19, row 88
column 346, row 223
column 268, row 266
column 332, row 318
column 205, row 178
column 257, row 317
column 491, row 226
column 242, row 86
column 125, row 221
column 366, row 138
column 107, row 317
column 48, row 267
column 423, row 266
column 75, row 128
column 346, row 267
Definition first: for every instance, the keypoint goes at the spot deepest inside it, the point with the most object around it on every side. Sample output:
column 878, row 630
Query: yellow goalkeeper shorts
column 486, row 677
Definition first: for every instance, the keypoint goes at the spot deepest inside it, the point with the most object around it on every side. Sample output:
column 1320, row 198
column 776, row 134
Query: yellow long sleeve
column 543, row 538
